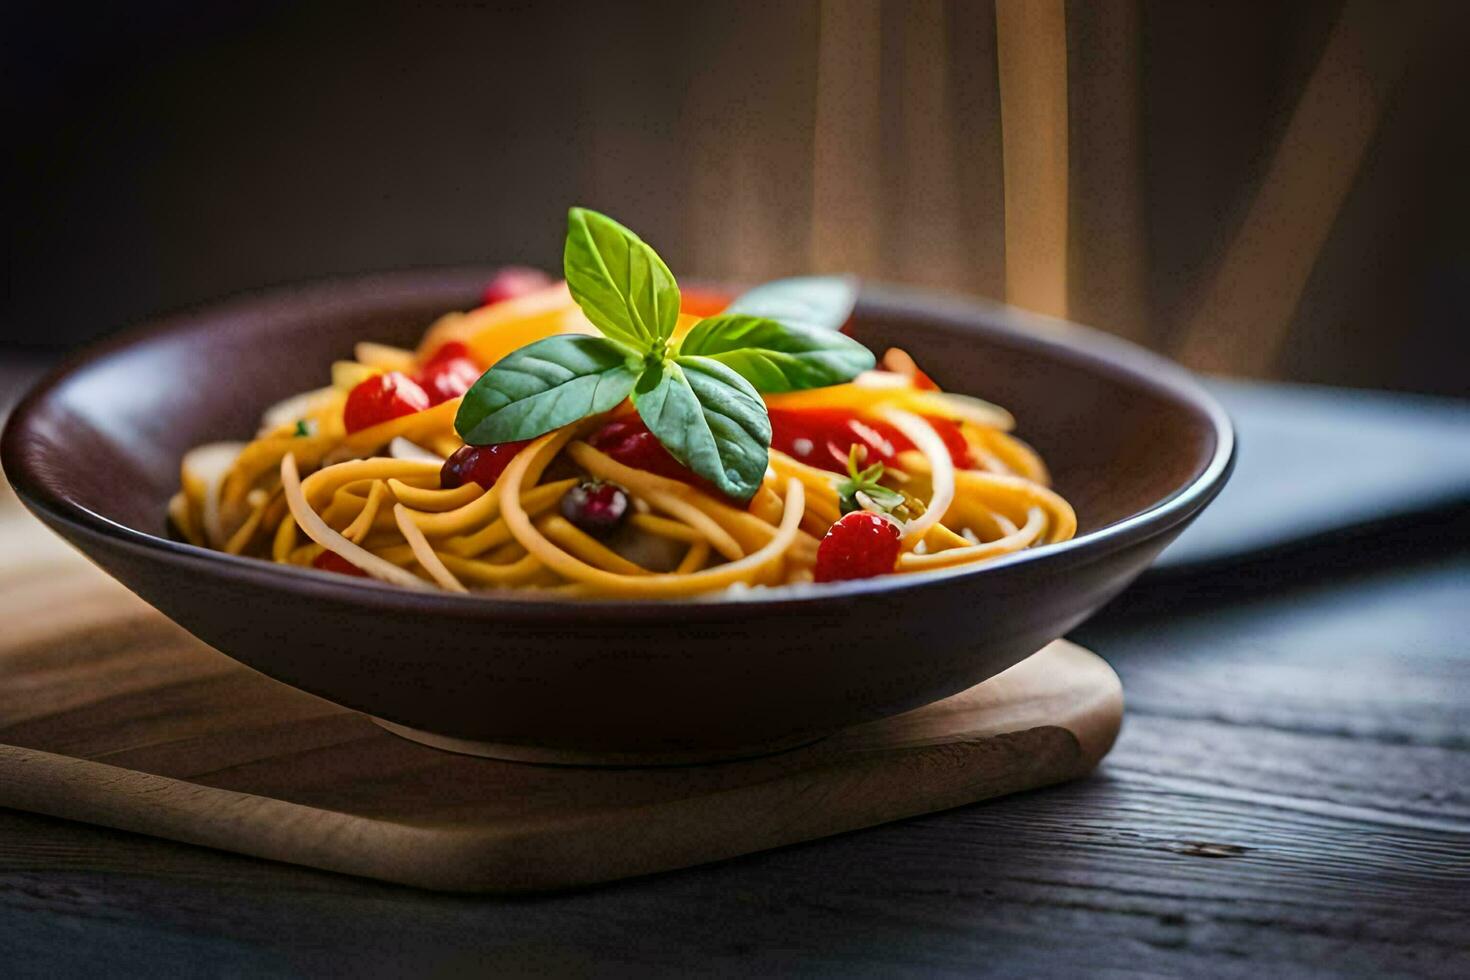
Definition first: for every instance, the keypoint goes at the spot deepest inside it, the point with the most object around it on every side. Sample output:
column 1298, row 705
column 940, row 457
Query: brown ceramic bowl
column 1134, row 443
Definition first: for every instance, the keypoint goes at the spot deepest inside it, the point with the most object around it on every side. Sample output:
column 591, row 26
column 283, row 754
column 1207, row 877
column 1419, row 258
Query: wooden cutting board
column 111, row 714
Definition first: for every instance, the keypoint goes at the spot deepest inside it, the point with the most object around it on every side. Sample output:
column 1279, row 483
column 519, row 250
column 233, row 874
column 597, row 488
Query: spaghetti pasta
column 597, row 507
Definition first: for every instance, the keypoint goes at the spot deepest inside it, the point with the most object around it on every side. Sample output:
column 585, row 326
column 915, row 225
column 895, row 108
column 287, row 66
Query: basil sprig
column 824, row 302
column 700, row 398
column 546, row 385
column 619, row 281
column 864, row 483
column 774, row 356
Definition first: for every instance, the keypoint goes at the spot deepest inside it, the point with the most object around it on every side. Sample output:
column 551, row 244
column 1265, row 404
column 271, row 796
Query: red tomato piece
column 513, row 281
column 383, row 397
column 954, row 441
column 330, row 561
column 822, row 437
column 449, row 373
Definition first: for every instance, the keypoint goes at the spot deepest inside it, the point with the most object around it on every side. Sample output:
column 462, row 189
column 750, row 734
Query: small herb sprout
column 861, row 490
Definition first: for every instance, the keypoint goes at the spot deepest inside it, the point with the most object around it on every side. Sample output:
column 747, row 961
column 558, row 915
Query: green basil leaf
column 710, row 419
column 544, row 386
column 777, row 357
column 619, row 281
column 819, row 302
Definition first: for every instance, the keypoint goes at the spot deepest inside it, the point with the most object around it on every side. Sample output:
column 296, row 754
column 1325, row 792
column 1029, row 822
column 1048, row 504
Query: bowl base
column 547, row 756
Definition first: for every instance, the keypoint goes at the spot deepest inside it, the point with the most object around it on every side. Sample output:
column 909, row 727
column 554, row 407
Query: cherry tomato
column 383, row 397
column 480, row 464
column 449, row 373
column 330, row 561
column 513, row 281
column 859, row 545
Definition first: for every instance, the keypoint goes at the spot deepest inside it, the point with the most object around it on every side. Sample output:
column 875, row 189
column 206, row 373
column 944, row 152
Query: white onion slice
column 941, row 469
column 318, row 531
column 968, row 408
column 401, row 448
column 207, row 466
column 882, row 380
column 293, row 409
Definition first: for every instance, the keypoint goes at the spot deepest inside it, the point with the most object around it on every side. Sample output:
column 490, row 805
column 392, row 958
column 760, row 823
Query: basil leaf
column 777, row 357
column 544, row 386
column 820, row 302
column 710, row 419
column 619, row 282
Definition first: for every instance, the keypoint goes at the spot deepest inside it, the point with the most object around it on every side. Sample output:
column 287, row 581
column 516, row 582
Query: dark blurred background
column 1259, row 188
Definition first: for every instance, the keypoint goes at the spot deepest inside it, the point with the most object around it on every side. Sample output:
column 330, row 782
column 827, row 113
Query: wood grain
column 1291, row 726
column 116, row 716
column 1198, row 849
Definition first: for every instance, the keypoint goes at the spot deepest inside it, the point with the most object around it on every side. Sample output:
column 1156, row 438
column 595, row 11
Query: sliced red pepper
column 383, row 397
column 449, row 373
column 822, row 437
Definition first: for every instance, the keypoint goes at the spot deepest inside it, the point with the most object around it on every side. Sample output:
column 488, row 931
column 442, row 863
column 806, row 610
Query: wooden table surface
column 1290, row 796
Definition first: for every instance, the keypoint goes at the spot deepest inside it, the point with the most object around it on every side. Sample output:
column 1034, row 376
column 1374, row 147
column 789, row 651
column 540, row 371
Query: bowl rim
column 1049, row 336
